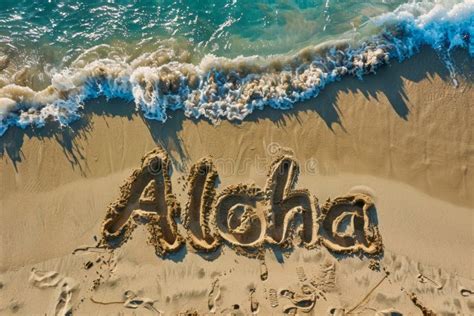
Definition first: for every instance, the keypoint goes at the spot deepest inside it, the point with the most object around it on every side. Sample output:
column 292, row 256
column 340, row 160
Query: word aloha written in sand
column 243, row 216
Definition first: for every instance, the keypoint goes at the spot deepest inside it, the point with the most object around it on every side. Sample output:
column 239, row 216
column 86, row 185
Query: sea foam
column 221, row 88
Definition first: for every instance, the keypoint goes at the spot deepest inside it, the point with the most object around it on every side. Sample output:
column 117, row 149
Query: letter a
column 146, row 198
column 347, row 225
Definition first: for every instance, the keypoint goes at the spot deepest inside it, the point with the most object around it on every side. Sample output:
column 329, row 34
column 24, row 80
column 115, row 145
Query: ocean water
column 214, row 60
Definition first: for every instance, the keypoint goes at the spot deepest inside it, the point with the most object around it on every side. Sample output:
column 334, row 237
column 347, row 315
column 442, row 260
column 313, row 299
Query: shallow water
column 218, row 60
column 224, row 27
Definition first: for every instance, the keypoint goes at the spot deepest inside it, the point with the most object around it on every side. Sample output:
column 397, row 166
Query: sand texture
column 360, row 201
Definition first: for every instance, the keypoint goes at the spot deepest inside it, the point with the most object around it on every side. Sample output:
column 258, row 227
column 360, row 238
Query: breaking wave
column 219, row 88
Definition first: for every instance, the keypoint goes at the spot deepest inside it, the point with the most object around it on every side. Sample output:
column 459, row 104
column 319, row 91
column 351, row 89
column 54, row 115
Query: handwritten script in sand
column 246, row 217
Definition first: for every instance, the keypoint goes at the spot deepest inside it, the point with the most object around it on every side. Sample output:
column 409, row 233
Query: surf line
column 243, row 216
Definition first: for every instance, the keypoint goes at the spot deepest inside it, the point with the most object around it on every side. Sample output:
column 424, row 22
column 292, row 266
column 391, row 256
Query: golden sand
column 84, row 230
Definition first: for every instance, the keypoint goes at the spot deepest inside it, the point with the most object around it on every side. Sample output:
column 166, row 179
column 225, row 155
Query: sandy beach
column 400, row 143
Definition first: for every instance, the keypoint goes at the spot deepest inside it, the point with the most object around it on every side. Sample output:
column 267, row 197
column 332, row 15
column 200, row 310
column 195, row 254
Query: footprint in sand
column 213, row 296
column 416, row 301
column 133, row 301
column 303, row 302
column 290, row 310
column 273, row 297
column 63, row 304
column 254, row 305
column 325, row 279
column 234, row 311
column 44, row 279
column 50, row 279
column 301, row 274
column 423, row 279
column 263, row 270
column 388, row 312
column 466, row 292
column 337, row 312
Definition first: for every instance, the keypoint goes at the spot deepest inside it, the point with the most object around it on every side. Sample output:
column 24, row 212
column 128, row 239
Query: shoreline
column 332, row 107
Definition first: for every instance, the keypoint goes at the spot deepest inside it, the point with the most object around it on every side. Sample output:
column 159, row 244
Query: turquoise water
column 223, row 27
column 212, row 59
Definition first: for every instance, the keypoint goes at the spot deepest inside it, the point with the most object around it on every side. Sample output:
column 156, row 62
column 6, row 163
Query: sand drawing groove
column 146, row 198
column 239, row 216
column 361, row 235
column 286, row 204
column 243, row 216
column 202, row 181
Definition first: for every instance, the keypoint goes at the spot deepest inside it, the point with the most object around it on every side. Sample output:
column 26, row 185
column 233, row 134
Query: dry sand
column 402, row 140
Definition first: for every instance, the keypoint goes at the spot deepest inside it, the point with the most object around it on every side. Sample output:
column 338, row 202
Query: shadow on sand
column 426, row 65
